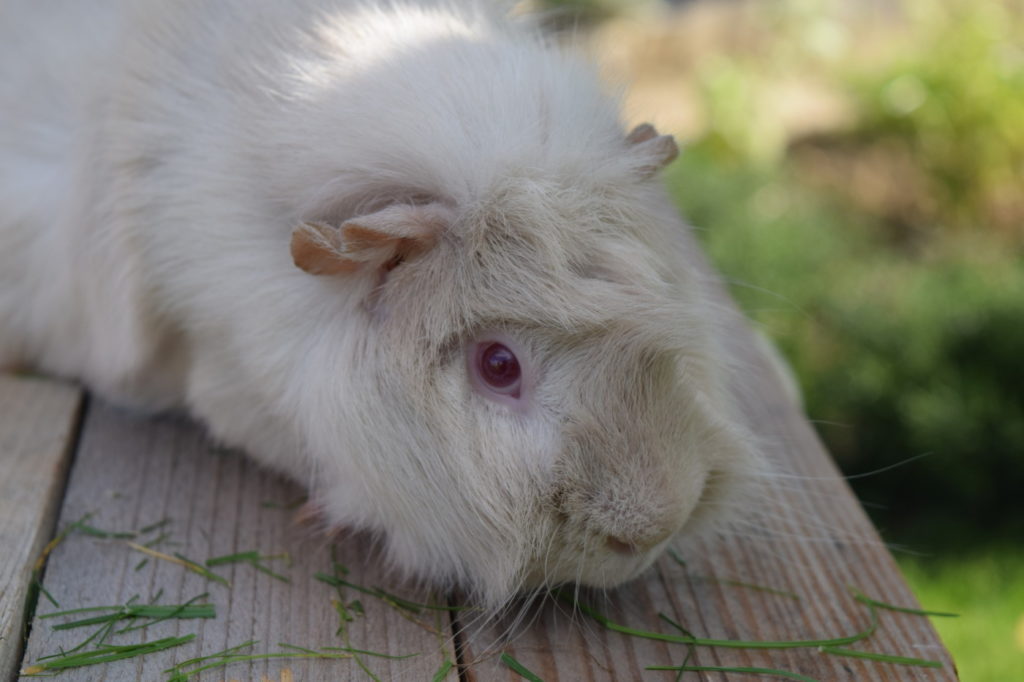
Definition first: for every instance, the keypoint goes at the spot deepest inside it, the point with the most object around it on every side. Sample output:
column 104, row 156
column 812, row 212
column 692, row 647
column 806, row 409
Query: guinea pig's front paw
column 315, row 516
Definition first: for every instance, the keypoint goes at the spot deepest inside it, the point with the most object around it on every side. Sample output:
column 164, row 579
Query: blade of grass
column 126, row 611
column 864, row 599
column 728, row 643
column 52, row 544
column 726, row 669
column 411, row 605
column 101, row 632
column 885, row 658
column 233, row 558
column 675, row 557
column 86, row 529
column 86, row 609
column 676, row 625
column 377, row 654
column 46, row 593
column 263, row 569
column 296, row 648
column 335, row 581
column 686, row 660
column 163, row 537
column 107, row 654
column 219, row 654
column 384, row 596
column 254, row 558
column 343, row 615
column 521, row 669
column 179, row 675
column 179, row 611
column 153, row 526
column 689, row 649
column 181, row 561
column 442, row 671
column 202, row 570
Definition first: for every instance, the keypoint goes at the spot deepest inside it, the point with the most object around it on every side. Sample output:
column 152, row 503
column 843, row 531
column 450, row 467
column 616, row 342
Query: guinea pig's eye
column 499, row 367
column 495, row 370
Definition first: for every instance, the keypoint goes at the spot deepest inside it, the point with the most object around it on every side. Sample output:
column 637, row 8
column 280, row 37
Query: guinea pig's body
column 405, row 254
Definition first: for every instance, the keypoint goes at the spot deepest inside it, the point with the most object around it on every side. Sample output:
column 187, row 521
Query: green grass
column 987, row 587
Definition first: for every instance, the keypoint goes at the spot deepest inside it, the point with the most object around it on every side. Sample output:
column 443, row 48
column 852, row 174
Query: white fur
column 154, row 158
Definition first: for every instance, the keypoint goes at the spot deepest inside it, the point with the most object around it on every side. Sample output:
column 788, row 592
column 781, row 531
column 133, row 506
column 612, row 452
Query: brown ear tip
column 642, row 133
column 670, row 150
column 314, row 250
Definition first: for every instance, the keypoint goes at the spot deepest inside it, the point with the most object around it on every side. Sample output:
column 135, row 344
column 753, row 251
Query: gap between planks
column 39, row 421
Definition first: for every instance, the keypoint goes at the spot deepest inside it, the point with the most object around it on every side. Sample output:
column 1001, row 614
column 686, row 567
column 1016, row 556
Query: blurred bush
column 892, row 248
column 896, row 356
column 943, row 116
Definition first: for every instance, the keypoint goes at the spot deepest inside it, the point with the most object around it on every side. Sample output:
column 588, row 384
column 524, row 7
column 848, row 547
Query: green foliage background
column 903, row 316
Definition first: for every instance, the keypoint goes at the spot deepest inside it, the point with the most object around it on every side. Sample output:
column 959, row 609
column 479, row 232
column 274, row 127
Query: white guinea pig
column 404, row 252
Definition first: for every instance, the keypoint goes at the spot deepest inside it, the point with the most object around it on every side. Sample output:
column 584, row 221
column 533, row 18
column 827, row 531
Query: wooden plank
column 38, row 420
column 804, row 533
column 131, row 472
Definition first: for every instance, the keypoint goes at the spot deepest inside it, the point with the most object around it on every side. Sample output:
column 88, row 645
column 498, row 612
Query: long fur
column 154, row 159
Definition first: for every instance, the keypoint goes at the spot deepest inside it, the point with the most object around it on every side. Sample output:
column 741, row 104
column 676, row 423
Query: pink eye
column 499, row 373
column 499, row 367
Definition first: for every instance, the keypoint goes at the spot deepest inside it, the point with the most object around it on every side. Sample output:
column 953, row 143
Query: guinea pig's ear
column 657, row 151
column 380, row 239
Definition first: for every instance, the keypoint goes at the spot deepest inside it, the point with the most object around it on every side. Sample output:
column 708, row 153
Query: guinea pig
column 404, row 252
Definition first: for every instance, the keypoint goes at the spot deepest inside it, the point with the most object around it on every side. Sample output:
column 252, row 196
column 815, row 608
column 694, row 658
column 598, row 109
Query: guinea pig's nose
column 620, row 546
column 627, row 546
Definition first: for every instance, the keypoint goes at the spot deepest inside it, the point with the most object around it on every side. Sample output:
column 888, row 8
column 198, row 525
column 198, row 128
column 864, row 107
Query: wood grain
column 37, row 426
column 802, row 532
column 132, row 472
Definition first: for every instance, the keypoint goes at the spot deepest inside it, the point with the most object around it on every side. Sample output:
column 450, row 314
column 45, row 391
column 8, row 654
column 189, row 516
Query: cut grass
column 386, row 597
column 519, row 668
column 128, row 611
column 133, row 611
column 181, row 561
column 178, row 673
column 884, row 658
column 609, row 624
column 833, row 646
column 253, row 558
column 106, row 653
column 728, row 669
column 442, row 671
column 864, row 599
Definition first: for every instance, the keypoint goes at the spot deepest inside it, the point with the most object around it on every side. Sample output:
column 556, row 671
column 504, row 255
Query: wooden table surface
column 804, row 536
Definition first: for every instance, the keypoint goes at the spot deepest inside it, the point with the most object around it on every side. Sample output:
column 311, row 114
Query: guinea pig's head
column 521, row 389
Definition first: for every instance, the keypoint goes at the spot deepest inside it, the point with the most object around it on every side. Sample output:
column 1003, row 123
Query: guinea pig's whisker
column 767, row 532
column 849, row 477
column 546, row 564
column 794, row 306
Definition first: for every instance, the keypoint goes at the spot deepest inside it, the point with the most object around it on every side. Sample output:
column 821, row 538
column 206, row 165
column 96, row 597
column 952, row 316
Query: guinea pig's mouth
column 604, row 567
